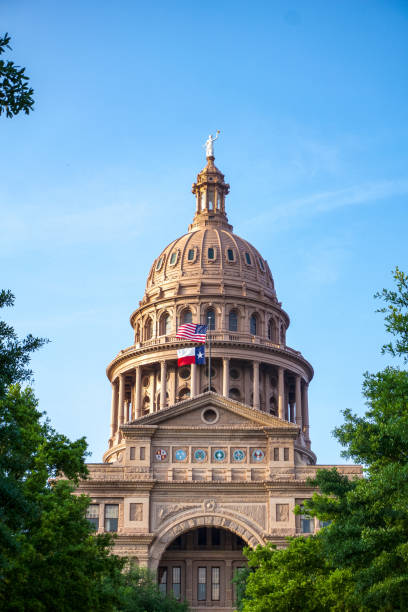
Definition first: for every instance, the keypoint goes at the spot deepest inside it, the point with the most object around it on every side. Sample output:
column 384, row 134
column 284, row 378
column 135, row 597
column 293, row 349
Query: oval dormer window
column 159, row 264
column 173, row 258
column 190, row 255
column 248, row 259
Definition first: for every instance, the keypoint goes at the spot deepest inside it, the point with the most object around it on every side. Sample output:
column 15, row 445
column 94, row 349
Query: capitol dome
column 210, row 276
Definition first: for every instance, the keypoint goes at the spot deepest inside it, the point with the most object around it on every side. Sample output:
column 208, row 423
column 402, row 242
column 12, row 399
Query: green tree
column 15, row 94
column 361, row 558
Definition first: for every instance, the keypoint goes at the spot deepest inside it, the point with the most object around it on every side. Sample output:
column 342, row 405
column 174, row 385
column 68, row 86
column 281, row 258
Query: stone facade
column 194, row 471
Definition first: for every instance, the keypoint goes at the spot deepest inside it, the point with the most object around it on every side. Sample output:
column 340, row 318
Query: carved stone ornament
column 209, row 505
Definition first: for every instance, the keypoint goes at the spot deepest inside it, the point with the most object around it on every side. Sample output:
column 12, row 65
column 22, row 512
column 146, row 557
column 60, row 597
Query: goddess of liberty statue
column 209, row 147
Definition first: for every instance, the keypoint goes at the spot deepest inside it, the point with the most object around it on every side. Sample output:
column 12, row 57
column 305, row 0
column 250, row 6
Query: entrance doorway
column 199, row 566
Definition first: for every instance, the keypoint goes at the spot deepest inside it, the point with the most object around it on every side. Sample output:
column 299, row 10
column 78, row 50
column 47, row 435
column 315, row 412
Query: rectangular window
column 135, row 512
column 210, row 253
column 276, row 454
column 190, row 255
column 92, row 514
column 248, row 259
column 325, row 523
column 215, row 536
column 163, row 580
column 142, row 453
column 173, row 258
column 111, row 517
column 202, row 536
column 215, row 583
column 305, row 524
column 176, row 582
column 230, row 253
column 202, row 584
column 286, row 454
column 132, row 453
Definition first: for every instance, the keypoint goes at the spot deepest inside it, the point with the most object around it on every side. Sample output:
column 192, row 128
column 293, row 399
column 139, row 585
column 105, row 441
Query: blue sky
column 310, row 98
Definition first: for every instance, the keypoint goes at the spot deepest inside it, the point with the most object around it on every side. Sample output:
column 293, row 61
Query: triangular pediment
column 229, row 412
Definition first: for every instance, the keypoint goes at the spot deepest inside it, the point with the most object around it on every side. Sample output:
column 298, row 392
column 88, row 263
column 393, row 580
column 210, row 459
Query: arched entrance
column 197, row 550
column 199, row 564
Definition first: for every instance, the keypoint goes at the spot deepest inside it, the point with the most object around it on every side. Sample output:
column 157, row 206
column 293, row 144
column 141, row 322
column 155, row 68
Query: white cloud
column 326, row 201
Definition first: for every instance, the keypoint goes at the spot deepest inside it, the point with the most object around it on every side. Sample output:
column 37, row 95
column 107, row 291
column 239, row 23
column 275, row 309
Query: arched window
column 271, row 330
column 253, row 324
column 235, row 394
column 146, row 404
column 148, row 329
column 184, row 393
column 210, row 318
column 233, row 321
column 186, row 316
column 165, row 324
column 282, row 333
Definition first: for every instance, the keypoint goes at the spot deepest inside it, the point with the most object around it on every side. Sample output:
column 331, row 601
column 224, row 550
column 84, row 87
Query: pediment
column 230, row 413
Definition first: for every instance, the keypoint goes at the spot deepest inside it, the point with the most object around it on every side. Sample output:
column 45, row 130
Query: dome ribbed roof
column 211, row 252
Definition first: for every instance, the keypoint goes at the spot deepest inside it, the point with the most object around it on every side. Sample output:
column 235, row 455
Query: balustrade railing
column 216, row 336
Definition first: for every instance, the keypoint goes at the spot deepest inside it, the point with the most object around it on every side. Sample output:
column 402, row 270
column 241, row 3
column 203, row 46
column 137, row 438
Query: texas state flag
column 191, row 355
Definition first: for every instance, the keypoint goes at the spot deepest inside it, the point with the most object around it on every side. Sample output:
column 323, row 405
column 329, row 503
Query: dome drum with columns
column 196, row 470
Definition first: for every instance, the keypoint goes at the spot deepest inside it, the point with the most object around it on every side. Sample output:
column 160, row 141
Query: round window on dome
column 234, row 373
column 159, row 264
column 185, row 372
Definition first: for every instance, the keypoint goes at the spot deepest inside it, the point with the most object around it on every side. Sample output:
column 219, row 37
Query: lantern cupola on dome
column 210, row 191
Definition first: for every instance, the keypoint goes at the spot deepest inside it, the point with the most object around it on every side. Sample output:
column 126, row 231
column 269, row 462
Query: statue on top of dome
column 209, row 148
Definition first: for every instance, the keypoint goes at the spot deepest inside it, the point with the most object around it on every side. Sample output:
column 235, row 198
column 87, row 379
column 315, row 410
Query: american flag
column 193, row 332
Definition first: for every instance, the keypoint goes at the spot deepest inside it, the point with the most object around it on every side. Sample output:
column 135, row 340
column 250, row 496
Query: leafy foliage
column 15, row 94
column 360, row 561
column 14, row 353
column 396, row 315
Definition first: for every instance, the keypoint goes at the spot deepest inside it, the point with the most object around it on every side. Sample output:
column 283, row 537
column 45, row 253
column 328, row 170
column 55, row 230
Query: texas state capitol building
column 193, row 474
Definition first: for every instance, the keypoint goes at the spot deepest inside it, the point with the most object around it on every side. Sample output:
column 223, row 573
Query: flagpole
column 209, row 354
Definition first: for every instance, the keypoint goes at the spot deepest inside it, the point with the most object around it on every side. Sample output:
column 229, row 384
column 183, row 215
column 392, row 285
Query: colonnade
column 290, row 407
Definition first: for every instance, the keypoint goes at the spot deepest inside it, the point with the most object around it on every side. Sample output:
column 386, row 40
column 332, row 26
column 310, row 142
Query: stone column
column 298, row 402
column 225, row 376
column 247, row 385
column 154, row 407
column 189, row 580
column 174, row 389
column 228, row 582
column 193, row 390
column 305, row 412
column 256, row 384
column 281, row 393
column 138, row 404
column 121, row 399
column 114, row 410
column 163, row 382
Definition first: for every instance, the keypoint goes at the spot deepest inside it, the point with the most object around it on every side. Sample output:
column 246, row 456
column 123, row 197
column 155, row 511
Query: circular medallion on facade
column 258, row 454
column 219, row 455
column 238, row 454
column 161, row 454
column 200, row 454
column 210, row 416
column 180, row 454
